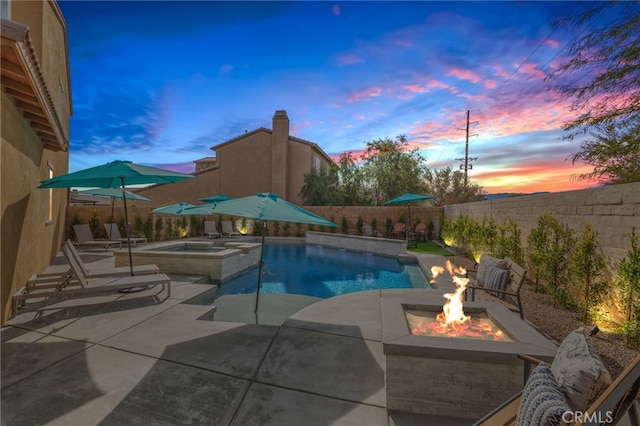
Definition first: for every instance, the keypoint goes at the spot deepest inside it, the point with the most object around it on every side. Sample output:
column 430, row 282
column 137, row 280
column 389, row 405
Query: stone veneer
column 382, row 246
column 219, row 265
column 452, row 377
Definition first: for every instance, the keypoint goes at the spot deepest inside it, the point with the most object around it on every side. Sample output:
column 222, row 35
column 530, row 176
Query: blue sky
column 160, row 82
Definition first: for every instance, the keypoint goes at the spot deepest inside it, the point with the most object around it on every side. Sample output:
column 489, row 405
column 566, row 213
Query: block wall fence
column 611, row 210
column 351, row 213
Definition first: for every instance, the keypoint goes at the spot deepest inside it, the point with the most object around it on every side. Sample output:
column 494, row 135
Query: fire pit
column 461, row 368
column 480, row 327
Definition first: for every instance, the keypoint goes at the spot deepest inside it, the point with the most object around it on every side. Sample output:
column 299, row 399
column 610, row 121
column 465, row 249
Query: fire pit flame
column 452, row 311
column 452, row 321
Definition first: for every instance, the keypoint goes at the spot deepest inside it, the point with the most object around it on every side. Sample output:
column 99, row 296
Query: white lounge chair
column 211, row 230
column 62, row 279
column 84, row 238
column 227, row 229
column 113, row 234
column 79, row 286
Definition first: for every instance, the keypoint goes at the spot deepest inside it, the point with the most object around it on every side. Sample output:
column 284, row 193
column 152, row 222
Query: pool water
column 320, row 271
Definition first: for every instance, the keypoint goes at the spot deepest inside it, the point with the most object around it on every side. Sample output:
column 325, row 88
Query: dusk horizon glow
column 161, row 82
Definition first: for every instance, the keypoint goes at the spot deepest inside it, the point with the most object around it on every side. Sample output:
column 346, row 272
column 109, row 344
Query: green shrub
column 628, row 283
column 388, row 226
column 345, row 225
column 550, row 247
column 276, row 228
column 147, row 228
column 158, row 229
column 138, row 225
column 587, row 263
column 359, row 226
column 509, row 241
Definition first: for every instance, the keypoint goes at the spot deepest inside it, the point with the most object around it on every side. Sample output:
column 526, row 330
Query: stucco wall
column 189, row 190
column 611, row 210
column 245, row 165
column 29, row 241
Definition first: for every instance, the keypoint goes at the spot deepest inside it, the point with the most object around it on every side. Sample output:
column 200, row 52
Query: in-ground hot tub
column 195, row 257
column 454, row 376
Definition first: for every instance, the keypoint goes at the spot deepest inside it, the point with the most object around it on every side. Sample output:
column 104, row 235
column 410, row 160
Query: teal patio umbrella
column 116, row 174
column 216, row 198
column 408, row 198
column 263, row 207
column 113, row 194
column 176, row 209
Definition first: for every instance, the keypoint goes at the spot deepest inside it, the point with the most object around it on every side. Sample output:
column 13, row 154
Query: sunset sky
column 159, row 83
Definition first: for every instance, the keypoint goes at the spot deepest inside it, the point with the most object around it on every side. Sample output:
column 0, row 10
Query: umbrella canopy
column 265, row 207
column 215, row 198
column 408, row 198
column 176, row 209
column 115, row 175
column 113, row 193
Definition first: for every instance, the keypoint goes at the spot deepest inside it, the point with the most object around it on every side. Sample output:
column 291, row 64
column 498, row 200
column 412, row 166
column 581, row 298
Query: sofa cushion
column 486, row 263
column 542, row 402
column 580, row 373
column 497, row 279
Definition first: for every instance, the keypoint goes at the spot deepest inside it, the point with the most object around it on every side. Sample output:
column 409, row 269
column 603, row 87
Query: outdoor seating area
column 113, row 234
column 498, row 280
column 270, row 372
column 79, row 281
column 576, row 382
column 84, row 238
column 211, row 229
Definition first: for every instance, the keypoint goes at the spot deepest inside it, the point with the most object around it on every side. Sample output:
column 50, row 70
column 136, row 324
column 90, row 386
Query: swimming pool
column 321, row 271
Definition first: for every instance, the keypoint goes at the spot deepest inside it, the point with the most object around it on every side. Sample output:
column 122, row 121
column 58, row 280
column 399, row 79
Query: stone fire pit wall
column 454, row 377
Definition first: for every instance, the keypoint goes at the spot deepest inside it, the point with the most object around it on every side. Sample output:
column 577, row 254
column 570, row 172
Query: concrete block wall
column 611, row 210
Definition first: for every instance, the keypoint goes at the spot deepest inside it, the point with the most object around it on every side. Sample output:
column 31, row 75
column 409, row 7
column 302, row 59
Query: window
column 317, row 162
column 5, row 9
column 50, row 174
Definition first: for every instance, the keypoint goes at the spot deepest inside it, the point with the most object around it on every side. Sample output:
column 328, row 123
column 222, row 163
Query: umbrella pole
column 126, row 225
column 260, row 264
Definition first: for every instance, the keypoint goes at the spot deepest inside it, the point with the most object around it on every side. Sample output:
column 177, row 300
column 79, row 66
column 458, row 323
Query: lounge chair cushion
column 498, row 279
column 486, row 263
column 542, row 401
column 579, row 371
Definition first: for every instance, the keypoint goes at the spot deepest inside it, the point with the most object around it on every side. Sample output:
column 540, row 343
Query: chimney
column 279, row 151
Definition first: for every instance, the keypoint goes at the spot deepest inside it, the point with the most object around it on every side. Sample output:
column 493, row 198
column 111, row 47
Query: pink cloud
column 349, row 59
column 414, row 88
column 490, row 84
column 463, row 74
column 530, row 69
column 554, row 44
column 431, row 84
column 365, row 93
column 335, row 9
column 501, row 72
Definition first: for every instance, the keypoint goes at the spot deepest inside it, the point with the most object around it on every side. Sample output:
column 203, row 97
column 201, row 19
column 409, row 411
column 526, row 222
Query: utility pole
column 467, row 160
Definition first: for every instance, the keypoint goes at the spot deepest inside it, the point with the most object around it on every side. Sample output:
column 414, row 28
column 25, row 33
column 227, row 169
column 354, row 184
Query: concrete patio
column 143, row 358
